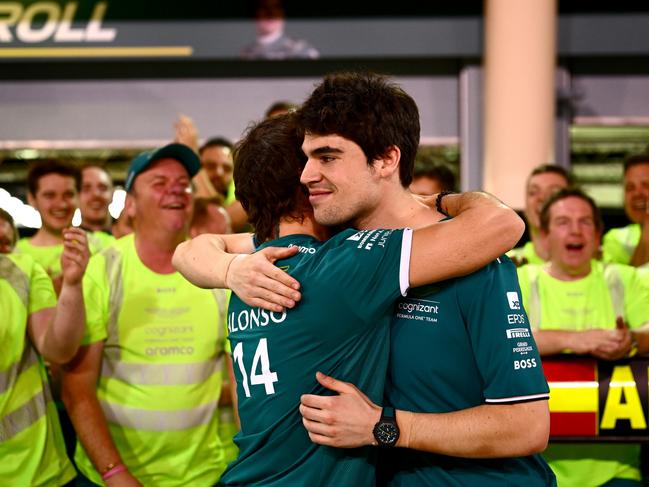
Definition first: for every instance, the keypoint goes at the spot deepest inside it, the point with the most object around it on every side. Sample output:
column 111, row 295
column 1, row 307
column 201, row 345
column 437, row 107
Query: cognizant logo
column 424, row 308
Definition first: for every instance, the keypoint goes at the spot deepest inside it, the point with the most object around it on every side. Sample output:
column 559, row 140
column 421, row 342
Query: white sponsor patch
column 526, row 363
column 514, row 302
column 516, row 318
column 517, row 333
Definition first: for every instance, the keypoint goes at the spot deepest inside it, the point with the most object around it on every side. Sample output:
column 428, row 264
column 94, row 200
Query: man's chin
column 220, row 189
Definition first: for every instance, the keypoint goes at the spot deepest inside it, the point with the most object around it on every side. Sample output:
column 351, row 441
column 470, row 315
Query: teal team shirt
column 340, row 327
column 456, row 345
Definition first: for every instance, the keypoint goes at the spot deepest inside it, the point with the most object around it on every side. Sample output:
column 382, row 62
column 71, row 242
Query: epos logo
column 514, row 302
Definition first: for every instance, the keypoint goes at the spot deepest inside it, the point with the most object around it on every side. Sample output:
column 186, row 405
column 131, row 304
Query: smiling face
column 95, row 196
column 342, row 186
column 162, row 198
column 539, row 187
column 218, row 164
column 572, row 236
column 56, row 200
column 636, row 192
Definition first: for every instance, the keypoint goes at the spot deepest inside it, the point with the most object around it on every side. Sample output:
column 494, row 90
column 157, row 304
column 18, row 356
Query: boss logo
column 528, row 363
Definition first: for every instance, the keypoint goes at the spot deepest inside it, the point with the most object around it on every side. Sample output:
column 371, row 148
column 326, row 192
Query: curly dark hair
column 369, row 110
column 268, row 162
column 42, row 168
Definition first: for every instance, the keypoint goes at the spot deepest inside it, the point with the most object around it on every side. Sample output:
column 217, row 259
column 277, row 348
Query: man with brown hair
column 630, row 244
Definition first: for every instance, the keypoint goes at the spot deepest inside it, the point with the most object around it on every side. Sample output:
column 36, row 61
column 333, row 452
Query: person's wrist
column 229, row 268
column 112, row 470
column 439, row 203
column 374, row 418
column 404, row 420
column 72, row 283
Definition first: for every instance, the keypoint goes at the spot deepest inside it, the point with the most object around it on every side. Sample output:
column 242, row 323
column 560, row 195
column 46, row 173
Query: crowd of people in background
column 117, row 370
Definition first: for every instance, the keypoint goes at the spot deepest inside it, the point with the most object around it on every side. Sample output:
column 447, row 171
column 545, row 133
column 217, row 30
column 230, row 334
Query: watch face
column 386, row 433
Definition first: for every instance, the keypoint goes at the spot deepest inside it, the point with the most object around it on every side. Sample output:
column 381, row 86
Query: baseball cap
column 180, row 152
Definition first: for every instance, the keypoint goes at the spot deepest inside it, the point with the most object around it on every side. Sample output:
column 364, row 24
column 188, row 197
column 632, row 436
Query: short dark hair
column 369, row 110
column 280, row 106
column 553, row 168
column 268, row 164
column 216, row 142
column 99, row 165
column 562, row 194
column 42, row 168
column 635, row 160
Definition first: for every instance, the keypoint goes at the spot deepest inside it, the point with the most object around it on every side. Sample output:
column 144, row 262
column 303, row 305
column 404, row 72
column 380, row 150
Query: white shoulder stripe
column 404, row 267
column 518, row 398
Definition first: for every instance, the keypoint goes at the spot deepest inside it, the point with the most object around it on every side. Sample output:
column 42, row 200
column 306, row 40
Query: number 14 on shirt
column 259, row 361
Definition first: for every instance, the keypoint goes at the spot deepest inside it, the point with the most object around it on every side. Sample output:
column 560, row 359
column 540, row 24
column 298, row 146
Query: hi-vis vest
column 161, row 371
column 32, row 452
column 613, row 282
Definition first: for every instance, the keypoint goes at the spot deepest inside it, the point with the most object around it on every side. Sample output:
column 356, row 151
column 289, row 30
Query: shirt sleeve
column 636, row 300
column 41, row 290
column 376, row 267
column 613, row 249
column 96, row 300
column 502, row 342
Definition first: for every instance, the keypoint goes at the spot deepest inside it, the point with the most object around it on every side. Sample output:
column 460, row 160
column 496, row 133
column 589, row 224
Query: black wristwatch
column 386, row 431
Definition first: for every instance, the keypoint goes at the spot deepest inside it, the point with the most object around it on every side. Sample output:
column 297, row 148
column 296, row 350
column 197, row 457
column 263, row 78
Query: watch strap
column 388, row 413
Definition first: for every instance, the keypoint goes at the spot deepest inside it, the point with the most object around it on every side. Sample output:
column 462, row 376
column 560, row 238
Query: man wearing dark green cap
column 144, row 387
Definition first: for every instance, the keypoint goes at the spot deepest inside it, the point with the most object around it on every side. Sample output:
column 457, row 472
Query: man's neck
column 565, row 273
column 156, row 251
column 266, row 39
column 305, row 226
column 399, row 210
column 46, row 238
column 94, row 226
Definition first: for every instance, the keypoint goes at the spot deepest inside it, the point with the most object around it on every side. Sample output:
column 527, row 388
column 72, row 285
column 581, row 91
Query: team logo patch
column 356, row 237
